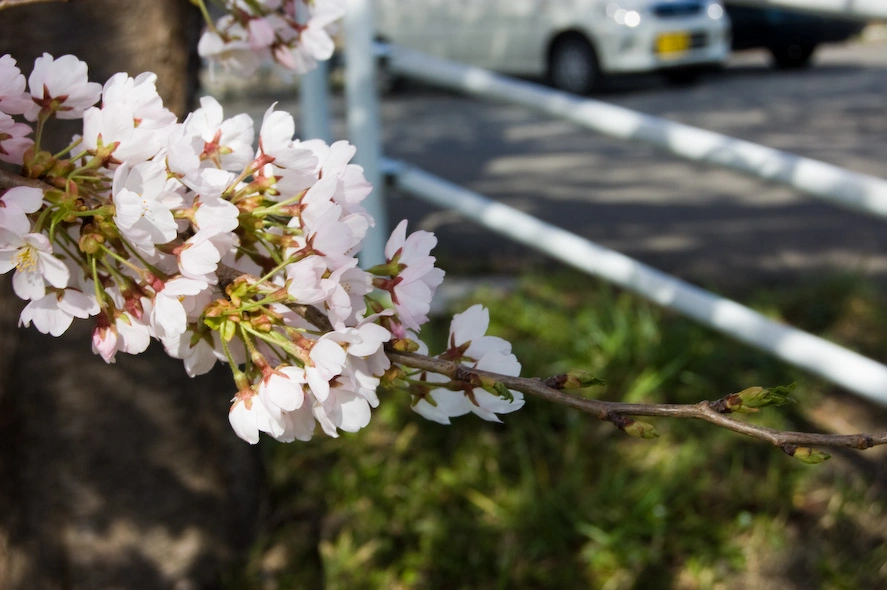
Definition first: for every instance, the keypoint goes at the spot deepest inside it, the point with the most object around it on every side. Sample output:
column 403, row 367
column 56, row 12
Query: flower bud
column 757, row 397
column 579, row 378
column 807, row 455
column 393, row 373
column 90, row 240
column 639, row 429
column 404, row 345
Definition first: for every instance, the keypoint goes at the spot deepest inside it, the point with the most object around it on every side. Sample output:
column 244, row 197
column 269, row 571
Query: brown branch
column 14, row 3
column 10, row 180
column 611, row 411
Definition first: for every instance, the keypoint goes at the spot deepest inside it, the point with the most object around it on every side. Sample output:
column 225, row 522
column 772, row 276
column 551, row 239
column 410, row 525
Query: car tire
column 683, row 76
column 573, row 65
column 793, row 56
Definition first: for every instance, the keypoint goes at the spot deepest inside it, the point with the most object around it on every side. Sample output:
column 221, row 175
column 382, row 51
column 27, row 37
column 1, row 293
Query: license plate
column 672, row 44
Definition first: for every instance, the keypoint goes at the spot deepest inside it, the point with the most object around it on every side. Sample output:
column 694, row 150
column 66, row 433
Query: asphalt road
column 697, row 221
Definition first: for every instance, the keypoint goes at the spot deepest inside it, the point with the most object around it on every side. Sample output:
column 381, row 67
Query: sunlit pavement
column 697, row 221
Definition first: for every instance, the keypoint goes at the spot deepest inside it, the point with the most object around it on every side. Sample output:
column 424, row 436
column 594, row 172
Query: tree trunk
column 124, row 475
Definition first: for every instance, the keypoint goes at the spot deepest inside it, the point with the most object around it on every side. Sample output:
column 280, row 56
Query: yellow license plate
column 671, row 44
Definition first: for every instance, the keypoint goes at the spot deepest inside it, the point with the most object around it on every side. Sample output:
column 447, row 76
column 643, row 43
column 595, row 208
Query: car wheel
column 573, row 65
column 794, row 56
column 683, row 76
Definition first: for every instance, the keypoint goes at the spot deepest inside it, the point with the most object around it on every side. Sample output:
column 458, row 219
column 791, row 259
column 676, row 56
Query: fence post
column 363, row 119
column 314, row 99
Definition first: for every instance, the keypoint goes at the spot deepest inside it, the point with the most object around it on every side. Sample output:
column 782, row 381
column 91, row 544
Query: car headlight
column 624, row 13
column 714, row 10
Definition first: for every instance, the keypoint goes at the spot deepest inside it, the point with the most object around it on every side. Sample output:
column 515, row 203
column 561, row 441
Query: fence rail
column 816, row 355
column 835, row 185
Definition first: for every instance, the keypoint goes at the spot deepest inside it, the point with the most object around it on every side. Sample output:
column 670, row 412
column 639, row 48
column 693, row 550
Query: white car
column 572, row 43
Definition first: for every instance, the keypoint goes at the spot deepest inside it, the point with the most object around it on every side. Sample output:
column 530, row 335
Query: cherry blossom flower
column 345, row 290
column 282, row 390
column 249, row 416
column 302, row 48
column 469, row 344
column 126, row 334
column 227, row 143
column 352, row 187
column 276, row 142
column 116, row 128
column 143, row 201
column 297, row 425
column 327, row 358
column 200, row 255
column 15, row 204
column 305, row 280
column 31, row 257
column 61, row 87
column 140, row 96
column 13, row 98
column 198, row 354
column 13, row 140
column 416, row 281
column 233, row 51
column 169, row 316
column 344, row 409
column 54, row 312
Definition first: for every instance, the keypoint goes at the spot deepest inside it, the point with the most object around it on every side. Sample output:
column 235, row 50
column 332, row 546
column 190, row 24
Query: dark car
column 791, row 36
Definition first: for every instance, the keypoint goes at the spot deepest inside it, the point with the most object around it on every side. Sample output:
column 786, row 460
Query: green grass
column 554, row 498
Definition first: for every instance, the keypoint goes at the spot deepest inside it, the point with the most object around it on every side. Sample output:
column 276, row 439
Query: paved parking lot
column 697, row 221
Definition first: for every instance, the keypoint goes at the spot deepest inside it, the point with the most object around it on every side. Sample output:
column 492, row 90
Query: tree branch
column 612, row 411
column 10, row 180
column 14, row 3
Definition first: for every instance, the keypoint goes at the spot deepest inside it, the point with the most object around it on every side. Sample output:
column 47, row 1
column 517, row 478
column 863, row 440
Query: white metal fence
column 832, row 184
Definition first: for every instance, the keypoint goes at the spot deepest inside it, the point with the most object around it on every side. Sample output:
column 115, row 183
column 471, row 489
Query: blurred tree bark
column 124, row 475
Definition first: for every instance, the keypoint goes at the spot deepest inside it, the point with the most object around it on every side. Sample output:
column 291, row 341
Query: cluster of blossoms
column 187, row 234
column 294, row 33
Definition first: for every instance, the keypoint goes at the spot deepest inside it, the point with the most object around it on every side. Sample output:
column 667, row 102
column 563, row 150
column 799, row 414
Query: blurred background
column 551, row 498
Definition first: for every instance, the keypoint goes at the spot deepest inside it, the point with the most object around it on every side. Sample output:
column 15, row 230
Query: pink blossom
column 327, row 359
column 13, row 98
column 276, row 142
column 469, row 345
column 61, row 87
column 169, row 317
column 233, row 51
column 54, row 312
column 200, row 255
column 282, row 389
column 143, row 202
column 343, row 409
column 305, row 280
column 249, row 416
column 31, row 257
column 311, row 42
column 140, row 96
column 15, row 204
column 126, row 334
column 261, row 33
column 227, row 143
column 199, row 352
column 345, row 290
column 468, row 330
column 417, row 278
column 13, row 140
column 115, row 126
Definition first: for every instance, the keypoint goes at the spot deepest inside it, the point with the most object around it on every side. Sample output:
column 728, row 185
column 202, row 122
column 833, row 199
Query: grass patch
column 555, row 499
